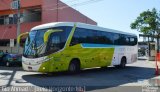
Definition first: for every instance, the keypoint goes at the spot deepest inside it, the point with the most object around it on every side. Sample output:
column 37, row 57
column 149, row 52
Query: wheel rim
column 7, row 64
column 72, row 68
column 123, row 63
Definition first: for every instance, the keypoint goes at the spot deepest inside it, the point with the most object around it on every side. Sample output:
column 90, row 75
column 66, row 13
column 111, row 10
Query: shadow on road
column 93, row 79
column 5, row 75
column 8, row 74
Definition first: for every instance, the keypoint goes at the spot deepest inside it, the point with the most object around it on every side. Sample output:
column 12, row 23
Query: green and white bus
column 69, row 46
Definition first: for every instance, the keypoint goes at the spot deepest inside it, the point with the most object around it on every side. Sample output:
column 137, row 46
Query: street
column 134, row 75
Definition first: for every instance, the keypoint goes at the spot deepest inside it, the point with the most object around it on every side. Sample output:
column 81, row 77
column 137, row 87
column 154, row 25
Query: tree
column 148, row 22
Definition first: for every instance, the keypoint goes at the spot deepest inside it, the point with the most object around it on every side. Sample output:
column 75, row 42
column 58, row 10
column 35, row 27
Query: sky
column 114, row 14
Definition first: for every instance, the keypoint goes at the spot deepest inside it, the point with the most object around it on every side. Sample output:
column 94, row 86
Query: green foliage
column 148, row 22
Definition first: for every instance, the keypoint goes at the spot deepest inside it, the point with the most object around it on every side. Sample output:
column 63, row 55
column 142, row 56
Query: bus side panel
column 105, row 56
column 115, row 59
column 89, row 57
column 130, row 52
column 59, row 62
column 45, row 66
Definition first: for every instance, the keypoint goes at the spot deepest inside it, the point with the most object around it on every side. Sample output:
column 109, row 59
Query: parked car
column 12, row 59
column 1, row 54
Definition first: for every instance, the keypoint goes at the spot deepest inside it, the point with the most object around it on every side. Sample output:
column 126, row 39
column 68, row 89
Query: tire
column 49, row 74
column 74, row 67
column 123, row 63
column 117, row 66
column 104, row 67
column 8, row 64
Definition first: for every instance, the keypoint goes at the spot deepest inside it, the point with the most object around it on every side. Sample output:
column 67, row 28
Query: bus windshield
column 35, row 46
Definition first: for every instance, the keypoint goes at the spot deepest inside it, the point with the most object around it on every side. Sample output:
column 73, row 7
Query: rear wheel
column 117, row 66
column 123, row 63
column 74, row 66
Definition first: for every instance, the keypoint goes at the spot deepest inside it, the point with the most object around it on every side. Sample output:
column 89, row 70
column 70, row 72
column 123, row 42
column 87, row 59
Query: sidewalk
column 143, row 58
column 155, row 81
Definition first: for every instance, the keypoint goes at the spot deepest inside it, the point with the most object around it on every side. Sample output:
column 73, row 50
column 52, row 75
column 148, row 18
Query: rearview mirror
column 22, row 36
column 47, row 34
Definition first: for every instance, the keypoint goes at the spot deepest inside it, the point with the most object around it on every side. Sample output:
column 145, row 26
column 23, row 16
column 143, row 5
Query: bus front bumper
column 34, row 68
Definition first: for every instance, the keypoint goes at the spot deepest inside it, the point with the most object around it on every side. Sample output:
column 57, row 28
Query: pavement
column 143, row 58
column 136, row 77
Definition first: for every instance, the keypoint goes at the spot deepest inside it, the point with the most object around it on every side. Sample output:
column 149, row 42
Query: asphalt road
column 111, row 79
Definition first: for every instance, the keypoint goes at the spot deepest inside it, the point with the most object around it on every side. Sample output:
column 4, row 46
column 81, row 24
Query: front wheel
column 74, row 67
column 8, row 64
column 104, row 67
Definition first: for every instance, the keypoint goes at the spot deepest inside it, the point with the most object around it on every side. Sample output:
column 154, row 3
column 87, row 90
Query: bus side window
column 123, row 40
column 75, row 38
column 104, row 38
column 127, row 42
column 116, row 39
column 54, row 43
column 132, row 41
column 80, row 36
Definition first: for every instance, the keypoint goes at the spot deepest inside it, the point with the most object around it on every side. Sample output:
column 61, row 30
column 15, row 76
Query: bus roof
column 80, row 25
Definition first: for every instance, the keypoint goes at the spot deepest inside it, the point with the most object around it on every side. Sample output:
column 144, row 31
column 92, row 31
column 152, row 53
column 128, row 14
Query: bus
column 72, row 46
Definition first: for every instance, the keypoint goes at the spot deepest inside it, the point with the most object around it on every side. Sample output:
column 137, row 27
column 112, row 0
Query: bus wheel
column 74, row 66
column 123, row 63
column 104, row 67
column 117, row 66
column 7, row 64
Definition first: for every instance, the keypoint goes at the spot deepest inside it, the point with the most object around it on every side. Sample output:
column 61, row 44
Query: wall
column 47, row 14
column 5, row 4
column 9, row 31
column 72, row 15
column 67, row 14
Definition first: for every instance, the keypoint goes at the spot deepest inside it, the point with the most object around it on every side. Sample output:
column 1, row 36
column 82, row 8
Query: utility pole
column 18, row 24
column 57, row 9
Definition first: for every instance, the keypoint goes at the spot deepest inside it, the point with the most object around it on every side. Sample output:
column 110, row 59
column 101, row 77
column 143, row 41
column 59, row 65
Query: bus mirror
column 21, row 36
column 47, row 34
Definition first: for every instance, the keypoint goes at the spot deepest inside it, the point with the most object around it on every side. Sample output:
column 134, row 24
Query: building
column 33, row 13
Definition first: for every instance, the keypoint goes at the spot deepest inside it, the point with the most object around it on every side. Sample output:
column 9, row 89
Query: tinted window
column 100, row 37
column 121, row 40
column 116, row 38
column 83, row 36
column 57, row 40
column 133, row 40
column 127, row 40
column 104, row 37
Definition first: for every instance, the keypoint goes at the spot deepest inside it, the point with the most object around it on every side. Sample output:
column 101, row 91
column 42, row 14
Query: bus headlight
column 44, row 68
